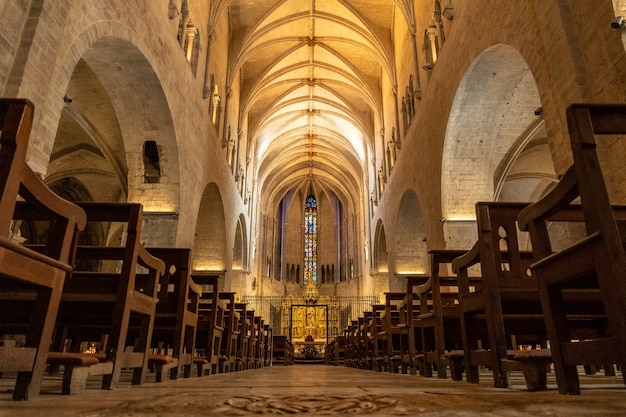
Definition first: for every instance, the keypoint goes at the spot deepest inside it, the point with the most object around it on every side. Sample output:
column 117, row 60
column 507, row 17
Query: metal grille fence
column 276, row 310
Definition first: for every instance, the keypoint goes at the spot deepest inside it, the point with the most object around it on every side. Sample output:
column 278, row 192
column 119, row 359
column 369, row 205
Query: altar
column 309, row 321
column 309, row 330
column 309, row 350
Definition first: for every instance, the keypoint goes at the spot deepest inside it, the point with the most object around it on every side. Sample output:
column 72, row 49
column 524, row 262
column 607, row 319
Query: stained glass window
column 310, row 240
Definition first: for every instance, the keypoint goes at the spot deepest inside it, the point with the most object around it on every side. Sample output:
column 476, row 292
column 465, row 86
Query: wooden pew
column 505, row 306
column 283, row 351
column 269, row 344
column 231, row 333
column 595, row 263
column 364, row 339
column 253, row 339
column 210, row 320
column 410, row 318
column 112, row 290
column 439, row 313
column 259, row 355
column 352, row 344
column 24, row 271
column 379, row 339
column 177, row 311
column 243, row 342
column 396, row 331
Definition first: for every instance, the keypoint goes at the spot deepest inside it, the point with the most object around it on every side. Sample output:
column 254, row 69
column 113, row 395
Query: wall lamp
column 618, row 23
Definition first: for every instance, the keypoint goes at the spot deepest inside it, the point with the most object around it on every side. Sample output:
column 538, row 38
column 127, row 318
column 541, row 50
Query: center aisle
column 313, row 390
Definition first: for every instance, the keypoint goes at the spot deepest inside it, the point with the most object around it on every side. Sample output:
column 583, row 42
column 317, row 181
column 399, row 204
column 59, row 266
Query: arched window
column 310, row 240
column 151, row 162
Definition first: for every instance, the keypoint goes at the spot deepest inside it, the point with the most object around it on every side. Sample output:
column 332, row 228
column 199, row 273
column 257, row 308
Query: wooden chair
column 503, row 308
column 25, row 271
column 112, row 290
column 177, row 310
column 594, row 263
column 210, row 320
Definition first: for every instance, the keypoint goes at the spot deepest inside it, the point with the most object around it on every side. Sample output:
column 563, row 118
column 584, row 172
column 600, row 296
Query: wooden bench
column 261, row 344
column 253, row 339
column 31, row 282
column 176, row 315
column 210, row 320
column 243, row 341
column 411, row 318
column 379, row 339
column 269, row 344
column 352, row 345
column 396, row 331
column 594, row 263
column 283, row 350
column 439, row 313
column 230, row 336
column 365, row 341
column 76, row 369
column 503, row 308
column 112, row 290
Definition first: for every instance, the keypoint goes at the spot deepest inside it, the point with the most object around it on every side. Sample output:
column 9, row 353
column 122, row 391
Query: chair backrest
column 63, row 220
column 174, row 283
column 15, row 122
column 501, row 255
column 585, row 180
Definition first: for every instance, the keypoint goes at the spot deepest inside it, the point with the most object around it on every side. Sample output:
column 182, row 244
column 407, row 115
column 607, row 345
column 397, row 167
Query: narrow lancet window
column 310, row 240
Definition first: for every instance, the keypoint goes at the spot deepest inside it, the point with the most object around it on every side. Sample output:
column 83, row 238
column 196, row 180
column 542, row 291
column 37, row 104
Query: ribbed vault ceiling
column 311, row 77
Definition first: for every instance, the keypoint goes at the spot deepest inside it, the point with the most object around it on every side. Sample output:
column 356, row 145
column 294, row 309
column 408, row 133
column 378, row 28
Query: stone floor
column 314, row 390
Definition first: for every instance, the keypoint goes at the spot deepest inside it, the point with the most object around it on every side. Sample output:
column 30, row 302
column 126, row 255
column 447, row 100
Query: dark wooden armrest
column 29, row 253
column 193, row 287
column 565, row 191
column 34, row 190
column 423, row 288
column 471, row 257
column 462, row 263
column 145, row 259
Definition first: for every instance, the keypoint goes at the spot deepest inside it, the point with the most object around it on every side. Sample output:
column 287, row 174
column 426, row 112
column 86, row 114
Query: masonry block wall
column 128, row 80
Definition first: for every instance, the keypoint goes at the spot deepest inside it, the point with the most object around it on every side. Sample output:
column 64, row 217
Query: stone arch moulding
column 381, row 262
column 135, row 94
column 411, row 251
column 240, row 246
column 209, row 249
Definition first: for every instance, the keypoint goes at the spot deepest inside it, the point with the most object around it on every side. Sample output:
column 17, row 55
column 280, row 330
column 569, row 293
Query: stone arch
column 410, row 237
column 240, row 247
column 381, row 262
column 209, row 249
column 496, row 145
column 113, row 103
column 494, row 106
